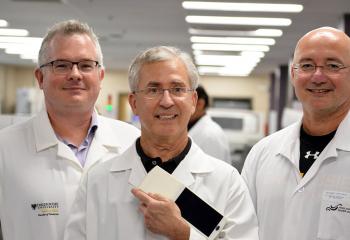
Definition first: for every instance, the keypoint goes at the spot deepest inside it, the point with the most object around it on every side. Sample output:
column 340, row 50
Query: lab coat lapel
column 104, row 145
column 138, row 172
column 131, row 161
column 44, row 136
column 340, row 142
column 65, row 152
column 195, row 162
column 289, row 147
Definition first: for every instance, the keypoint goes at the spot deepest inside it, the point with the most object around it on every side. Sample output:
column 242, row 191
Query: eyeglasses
column 328, row 68
column 65, row 66
column 157, row 92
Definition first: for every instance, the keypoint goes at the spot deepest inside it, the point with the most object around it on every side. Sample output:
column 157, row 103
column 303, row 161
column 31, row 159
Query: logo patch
column 45, row 209
column 338, row 208
column 309, row 154
column 331, row 208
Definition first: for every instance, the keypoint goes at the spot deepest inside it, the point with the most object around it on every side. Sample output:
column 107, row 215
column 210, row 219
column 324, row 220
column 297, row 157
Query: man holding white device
column 110, row 206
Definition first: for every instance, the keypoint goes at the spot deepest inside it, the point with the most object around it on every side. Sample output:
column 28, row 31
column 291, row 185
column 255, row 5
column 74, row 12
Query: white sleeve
column 241, row 222
column 76, row 225
column 249, row 173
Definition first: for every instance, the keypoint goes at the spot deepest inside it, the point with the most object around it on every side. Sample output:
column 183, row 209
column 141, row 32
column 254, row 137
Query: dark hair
column 202, row 94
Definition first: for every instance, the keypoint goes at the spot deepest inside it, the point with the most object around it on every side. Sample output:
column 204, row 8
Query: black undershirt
column 168, row 165
column 310, row 148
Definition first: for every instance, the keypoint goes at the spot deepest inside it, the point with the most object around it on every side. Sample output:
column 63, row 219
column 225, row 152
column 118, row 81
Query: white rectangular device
column 194, row 210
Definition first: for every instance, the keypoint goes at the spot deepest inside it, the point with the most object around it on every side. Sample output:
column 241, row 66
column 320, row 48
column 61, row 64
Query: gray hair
column 158, row 54
column 68, row 28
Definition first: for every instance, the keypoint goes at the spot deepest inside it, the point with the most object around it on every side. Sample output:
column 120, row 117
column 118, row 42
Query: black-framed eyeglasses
column 328, row 68
column 157, row 92
column 65, row 66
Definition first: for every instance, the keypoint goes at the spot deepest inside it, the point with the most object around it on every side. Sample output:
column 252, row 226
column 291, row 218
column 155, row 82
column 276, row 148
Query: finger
column 141, row 195
column 158, row 197
column 143, row 208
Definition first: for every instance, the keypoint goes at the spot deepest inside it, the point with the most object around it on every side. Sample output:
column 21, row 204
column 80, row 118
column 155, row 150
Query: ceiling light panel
column 233, row 52
column 256, row 33
column 7, row 39
column 225, row 71
column 3, row 23
column 256, row 21
column 242, row 7
column 233, row 40
column 229, row 47
column 13, row 32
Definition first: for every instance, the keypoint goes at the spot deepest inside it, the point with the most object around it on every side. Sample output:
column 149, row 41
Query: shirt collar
column 90, row 134
column 169, row 166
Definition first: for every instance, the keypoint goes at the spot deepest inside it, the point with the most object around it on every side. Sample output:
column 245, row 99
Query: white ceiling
column 127, row 26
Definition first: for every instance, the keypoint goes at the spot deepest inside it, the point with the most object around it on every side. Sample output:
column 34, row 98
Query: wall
column 11, row 78
column 116, row 83
column 256, row 88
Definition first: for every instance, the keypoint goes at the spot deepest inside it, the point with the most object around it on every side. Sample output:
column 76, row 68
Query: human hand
column 162, row 215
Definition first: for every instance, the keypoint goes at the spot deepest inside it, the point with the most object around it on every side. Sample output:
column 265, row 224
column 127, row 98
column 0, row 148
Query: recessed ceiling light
column 220, row 60
column 259, row 21
column 242, row 7
column 252, row 54
column 233, row 40
column 229, row 47
column 226, row 71
column 13, row 32
column 8, row 39
column 255, row 33
column 3, row 23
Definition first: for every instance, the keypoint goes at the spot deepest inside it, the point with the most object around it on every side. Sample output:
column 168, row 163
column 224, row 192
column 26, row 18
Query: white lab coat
column 290, row 207
column 39, row 175
column 106, row 209
column 210, row 137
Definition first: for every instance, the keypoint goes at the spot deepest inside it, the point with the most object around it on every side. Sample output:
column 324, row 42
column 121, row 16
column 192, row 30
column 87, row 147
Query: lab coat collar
column 339, row 142
column 290, row 144
column 102, row 142
column 195, row 162
column 342, row 136
column 130, row 160
column 104, row 135
column 290, row 148
column 44, row 135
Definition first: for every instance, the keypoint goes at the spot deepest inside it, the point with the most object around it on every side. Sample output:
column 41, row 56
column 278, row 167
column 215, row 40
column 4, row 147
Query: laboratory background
column 242, row 52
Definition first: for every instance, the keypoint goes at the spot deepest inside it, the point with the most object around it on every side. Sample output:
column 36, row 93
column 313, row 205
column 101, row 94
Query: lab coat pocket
column 334, row 219
column 129, row 221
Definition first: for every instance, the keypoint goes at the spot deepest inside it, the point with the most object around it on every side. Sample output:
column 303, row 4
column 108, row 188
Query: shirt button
column 154, row 163
column 301, row 190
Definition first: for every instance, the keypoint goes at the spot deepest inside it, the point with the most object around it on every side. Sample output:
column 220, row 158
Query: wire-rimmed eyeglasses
column 157, row 92
column 328, row 68
column 65, row 66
